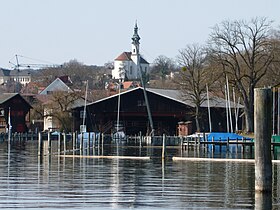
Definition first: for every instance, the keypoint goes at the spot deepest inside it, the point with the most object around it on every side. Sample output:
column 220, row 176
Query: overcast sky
column 97, row 31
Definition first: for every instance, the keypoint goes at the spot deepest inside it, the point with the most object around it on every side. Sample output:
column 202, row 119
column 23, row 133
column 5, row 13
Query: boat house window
column 141, row 103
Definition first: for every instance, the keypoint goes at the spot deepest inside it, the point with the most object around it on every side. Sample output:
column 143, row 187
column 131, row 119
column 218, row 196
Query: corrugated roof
column 176, row 95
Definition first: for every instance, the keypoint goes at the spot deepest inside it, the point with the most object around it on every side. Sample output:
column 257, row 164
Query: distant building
column 21, row 76
column 128, row 65
column 57, row 85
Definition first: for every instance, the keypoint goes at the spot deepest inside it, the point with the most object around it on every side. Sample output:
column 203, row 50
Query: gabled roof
column 142, row 60
column 214, row 101
column 130, row 84
column 7, row 72
column 7, row 96
column 176, row 95
column 126, row 56
column 56, row 85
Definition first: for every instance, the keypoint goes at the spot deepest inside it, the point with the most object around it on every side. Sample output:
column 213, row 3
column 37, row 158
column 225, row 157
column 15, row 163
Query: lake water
column 53, row 182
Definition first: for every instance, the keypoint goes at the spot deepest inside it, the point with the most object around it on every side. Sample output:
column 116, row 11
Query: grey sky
column 97, row 31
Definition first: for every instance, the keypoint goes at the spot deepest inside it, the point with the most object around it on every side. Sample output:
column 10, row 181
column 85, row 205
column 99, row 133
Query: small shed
column 15, row 107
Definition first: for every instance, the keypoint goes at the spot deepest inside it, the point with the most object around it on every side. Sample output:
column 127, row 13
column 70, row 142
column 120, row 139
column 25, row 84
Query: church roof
column 126, row 56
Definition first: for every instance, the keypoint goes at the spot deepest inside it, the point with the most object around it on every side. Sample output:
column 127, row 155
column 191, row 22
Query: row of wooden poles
column 62, row 141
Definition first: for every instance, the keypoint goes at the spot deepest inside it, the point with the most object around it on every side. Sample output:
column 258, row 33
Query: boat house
column 167, row 109
column 15, row 107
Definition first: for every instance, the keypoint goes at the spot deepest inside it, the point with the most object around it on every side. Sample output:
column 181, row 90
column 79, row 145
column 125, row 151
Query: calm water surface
column 52, row 182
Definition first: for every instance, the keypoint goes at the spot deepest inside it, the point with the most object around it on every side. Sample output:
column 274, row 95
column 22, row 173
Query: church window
column 130, row 70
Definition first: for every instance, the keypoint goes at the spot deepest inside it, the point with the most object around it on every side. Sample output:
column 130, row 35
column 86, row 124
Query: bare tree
column 163, row 66
column 245, row 53
column 194, row 76
column 60, row 107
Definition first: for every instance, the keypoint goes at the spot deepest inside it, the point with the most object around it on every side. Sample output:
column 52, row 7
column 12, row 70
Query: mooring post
column 213, row 144
column 140, row 139
column 58, row 143
column 93, row 143
column 64, row 143
column 102, row 143
column 263, row 128
column 93, row 140
column 73, row 142
column 163, row 147
column 89, row 142
column 227, row 144
column 81, row 143
column 40, row 150
column 49, row 142
column 76, row 140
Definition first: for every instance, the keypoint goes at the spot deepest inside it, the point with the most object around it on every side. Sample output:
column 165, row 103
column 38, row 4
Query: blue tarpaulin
column 225, row 136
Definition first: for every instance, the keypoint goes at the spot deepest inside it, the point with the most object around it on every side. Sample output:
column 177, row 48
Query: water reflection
column 28, row 181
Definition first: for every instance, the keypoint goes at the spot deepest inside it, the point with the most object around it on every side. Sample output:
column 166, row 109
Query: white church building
column 130, row 65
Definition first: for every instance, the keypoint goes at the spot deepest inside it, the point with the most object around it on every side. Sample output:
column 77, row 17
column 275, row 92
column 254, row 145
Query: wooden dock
column 186, row 143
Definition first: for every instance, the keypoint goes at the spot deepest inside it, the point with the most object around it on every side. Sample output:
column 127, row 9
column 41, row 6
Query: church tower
column 128, row 64
column 135, row 45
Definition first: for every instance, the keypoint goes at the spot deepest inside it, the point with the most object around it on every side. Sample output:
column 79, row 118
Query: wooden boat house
column 168, row 111
column 15, row 107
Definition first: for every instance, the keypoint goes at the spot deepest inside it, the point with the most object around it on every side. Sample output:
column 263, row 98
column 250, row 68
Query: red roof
column 127, row 84
column 126, row 56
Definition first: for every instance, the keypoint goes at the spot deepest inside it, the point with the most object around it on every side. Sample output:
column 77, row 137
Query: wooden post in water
column 88, row 143
column 93, row 140
column 49, row 142
column 73, row 142
column 140, row 139
column 262, row 128
column 58, row 143
column 102, row 140
column 213, row 145
column 163, row 147
column 64, row 143
column 227, row 144
column 40, row 145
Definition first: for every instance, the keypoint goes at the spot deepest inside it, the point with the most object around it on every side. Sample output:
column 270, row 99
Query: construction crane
column 17, row 66
column 44, row 64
